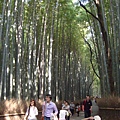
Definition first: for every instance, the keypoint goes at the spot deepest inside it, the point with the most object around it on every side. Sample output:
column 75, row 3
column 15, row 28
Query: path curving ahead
column 95, row 111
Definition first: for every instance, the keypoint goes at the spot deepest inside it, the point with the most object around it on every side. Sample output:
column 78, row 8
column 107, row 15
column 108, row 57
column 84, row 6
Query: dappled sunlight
column 15, row 109
column 10, row 109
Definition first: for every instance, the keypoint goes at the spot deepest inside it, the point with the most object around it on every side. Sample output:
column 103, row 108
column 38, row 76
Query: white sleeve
column 27, row 111
column 68, row 107
column 36, row 111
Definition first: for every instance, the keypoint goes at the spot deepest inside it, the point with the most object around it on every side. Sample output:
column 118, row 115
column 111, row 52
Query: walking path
column 95, row 110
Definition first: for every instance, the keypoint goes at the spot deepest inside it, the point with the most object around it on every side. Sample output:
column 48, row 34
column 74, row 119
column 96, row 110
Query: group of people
column 72, row 107
column 85, row 106
column 49, row 109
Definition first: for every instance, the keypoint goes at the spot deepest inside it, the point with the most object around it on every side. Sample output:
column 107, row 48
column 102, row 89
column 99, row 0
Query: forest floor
column 95, row 110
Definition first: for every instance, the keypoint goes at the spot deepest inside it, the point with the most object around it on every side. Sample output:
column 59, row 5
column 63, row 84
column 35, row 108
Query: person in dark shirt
column 87, row 107
column 72, row 107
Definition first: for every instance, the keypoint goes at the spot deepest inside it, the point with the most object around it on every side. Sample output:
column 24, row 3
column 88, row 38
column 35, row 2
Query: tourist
column 49, row 108
column 87, row 107
column 77, row 108
column 72, row 107
column 32, row 111
column 67, row 108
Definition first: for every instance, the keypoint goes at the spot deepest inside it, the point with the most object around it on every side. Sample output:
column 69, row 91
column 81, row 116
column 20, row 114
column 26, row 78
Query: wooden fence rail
column 15, row 114
column 109, row 113
column 105, row 108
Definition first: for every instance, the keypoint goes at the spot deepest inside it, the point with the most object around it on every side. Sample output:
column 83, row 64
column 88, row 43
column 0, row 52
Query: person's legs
column 78, row 113
column 85, row 114
column 68, row 117
column 72, row 111
column 46, row 118
column 89, row 113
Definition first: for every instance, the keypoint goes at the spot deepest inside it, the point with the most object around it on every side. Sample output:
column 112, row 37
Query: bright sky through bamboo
column 84, row 2
column 74, row 1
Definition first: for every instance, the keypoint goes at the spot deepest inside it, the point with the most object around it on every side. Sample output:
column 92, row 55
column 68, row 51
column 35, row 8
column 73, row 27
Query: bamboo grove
column 38, row 49
column 57, row 47
column 105, row 30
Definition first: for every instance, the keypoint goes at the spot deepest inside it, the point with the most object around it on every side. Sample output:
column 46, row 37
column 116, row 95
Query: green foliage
column 32, row 25
column 1, row 6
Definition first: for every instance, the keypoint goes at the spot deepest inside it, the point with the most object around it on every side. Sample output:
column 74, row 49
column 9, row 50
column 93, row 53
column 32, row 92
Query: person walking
column 67, row 108
column 72, row 107
column 77, row 108
column 32, row 111
column 87, row 107
column 49, row 108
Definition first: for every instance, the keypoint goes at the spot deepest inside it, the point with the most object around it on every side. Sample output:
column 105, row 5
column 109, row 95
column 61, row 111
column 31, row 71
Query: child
column 77, row 107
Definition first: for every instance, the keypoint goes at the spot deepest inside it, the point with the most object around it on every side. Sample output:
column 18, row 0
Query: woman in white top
column 32, row 111
column 67, row 108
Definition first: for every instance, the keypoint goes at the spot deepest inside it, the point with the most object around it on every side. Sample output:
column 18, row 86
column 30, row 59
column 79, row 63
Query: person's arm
column 63, row 106
column 90, row 105
column 69, row 110
column 36, row 111
column 90, row 108
column 55, row 109
column 83, row 106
